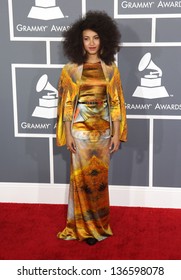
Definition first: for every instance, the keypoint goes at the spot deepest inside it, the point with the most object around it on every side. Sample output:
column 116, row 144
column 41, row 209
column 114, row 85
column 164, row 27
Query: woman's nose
column 91, row 41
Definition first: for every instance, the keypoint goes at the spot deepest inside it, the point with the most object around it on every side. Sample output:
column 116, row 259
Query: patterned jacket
column 68, row 88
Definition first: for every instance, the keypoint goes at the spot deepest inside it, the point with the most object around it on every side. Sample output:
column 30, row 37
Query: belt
column 92, row 102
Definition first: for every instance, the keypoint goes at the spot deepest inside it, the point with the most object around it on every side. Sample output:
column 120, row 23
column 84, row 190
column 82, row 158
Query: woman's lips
column 92, row 48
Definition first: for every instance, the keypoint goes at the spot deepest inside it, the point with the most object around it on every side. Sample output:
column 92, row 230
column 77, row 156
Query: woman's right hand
column 70, row 142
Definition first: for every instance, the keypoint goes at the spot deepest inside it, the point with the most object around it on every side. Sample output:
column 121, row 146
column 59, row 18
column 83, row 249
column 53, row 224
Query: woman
column 91, row 122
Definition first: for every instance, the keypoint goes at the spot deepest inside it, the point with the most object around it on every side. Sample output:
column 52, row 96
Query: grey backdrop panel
column 27, row 24
column 129, row 166
column 167, row 153
column 171, row 70
column 57, row 54
column 167, row 30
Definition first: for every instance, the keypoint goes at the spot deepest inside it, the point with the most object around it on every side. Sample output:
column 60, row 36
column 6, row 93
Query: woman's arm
column 70, row 142
column 115, row 142
column 117, row 104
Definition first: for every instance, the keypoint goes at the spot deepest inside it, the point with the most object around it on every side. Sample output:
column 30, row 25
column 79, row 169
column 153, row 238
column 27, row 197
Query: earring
column 84, row 52
column 101, row 51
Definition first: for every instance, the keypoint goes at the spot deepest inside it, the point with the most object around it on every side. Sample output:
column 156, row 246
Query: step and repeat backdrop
column 31, row 55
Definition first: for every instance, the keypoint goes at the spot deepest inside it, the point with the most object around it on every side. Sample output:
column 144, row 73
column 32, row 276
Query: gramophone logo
column 45, row 10
column 47, row 103
column 150, row 87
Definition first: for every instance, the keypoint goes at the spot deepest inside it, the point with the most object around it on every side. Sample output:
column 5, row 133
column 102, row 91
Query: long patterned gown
column 88, row 205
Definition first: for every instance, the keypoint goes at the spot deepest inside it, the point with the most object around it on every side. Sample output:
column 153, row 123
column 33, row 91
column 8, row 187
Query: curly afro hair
column 100, row 23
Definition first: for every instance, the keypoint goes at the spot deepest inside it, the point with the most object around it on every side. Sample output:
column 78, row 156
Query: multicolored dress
column 88, row 205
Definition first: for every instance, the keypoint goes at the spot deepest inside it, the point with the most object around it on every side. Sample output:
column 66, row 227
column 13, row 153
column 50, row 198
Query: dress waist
column 93, row 102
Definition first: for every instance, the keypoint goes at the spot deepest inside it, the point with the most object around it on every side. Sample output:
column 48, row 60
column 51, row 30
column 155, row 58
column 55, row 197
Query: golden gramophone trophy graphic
column 45, row 10
column 47, row 103
column 150, row 87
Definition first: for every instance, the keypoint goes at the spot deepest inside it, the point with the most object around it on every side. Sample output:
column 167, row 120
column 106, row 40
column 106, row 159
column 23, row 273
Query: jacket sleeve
column 66, row 91
column 117, row 103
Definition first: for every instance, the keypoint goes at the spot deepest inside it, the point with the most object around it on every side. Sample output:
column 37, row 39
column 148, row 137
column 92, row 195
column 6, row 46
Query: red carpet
column 28, row 231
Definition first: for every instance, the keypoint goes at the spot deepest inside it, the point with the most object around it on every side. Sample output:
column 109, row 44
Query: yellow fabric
column 69, row 88
column 93, row 83
column 91, row 119
column 88, row 205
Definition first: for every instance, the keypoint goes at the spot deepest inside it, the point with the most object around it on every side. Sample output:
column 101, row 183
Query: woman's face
column 91, row 42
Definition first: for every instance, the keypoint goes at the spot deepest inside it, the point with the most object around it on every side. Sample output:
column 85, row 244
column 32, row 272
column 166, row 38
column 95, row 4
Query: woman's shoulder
column 114, row 66
column 111, row 70
column 69, row 66
column 69, row 69
column 111, row 67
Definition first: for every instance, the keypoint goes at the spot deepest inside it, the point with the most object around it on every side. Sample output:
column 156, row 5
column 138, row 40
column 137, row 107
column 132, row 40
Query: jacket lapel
column 104, row 68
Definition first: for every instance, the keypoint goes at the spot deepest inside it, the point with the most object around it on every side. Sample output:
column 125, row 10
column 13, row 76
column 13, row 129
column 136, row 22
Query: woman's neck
column 93, row 59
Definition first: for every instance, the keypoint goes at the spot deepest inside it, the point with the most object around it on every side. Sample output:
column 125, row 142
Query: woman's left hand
column 114, row 144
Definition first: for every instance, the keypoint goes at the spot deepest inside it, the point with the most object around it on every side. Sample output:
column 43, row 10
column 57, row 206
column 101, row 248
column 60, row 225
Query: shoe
column 91, row 241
